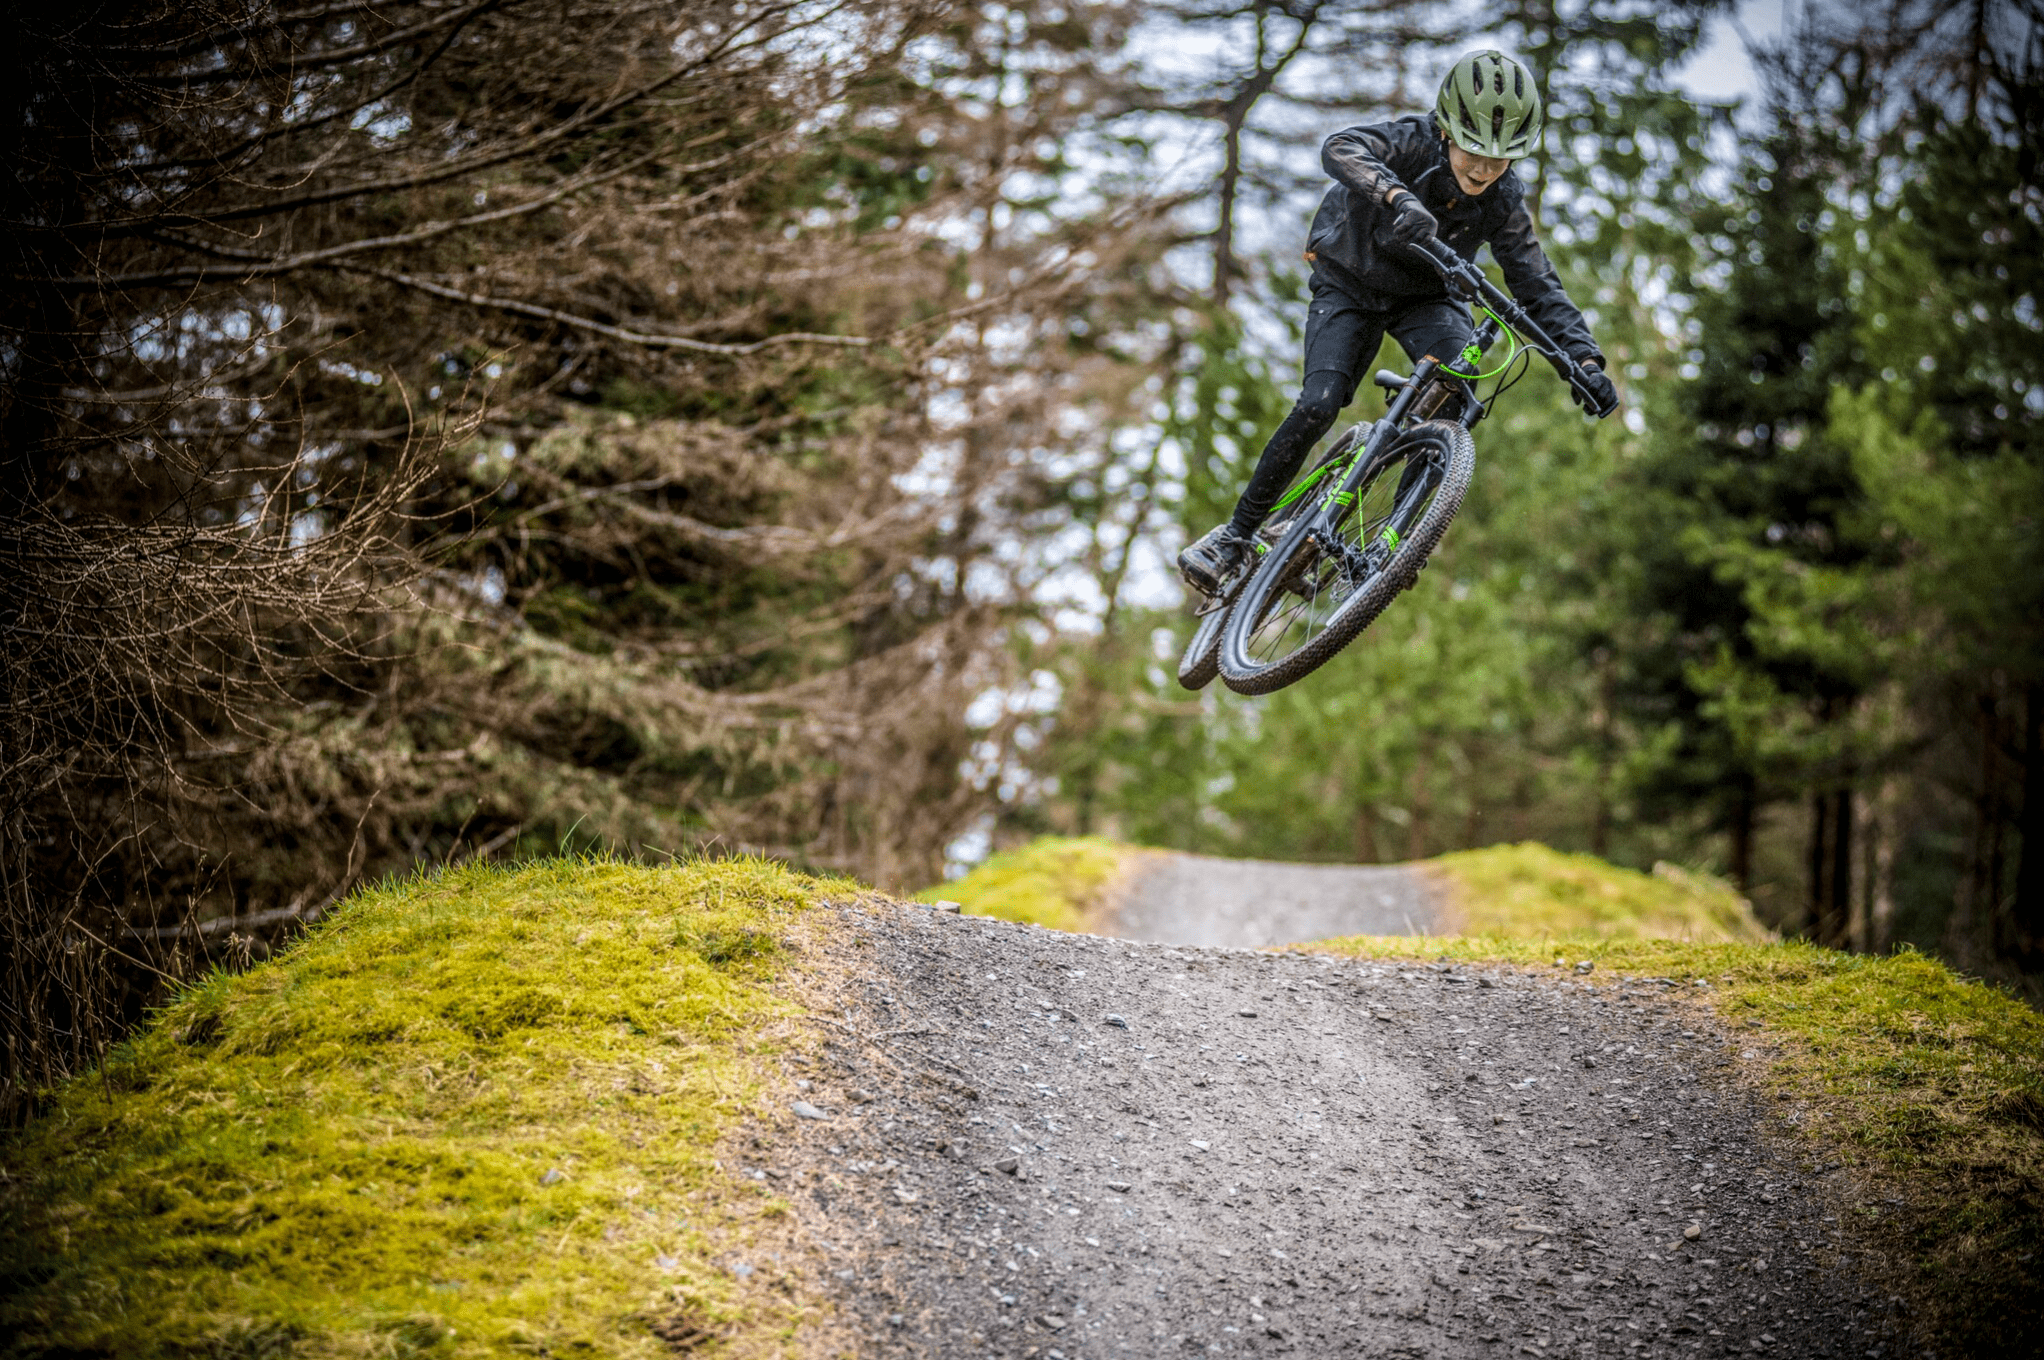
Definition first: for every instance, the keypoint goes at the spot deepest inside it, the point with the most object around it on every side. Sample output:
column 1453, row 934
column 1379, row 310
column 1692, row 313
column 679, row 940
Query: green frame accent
column 1472, row 356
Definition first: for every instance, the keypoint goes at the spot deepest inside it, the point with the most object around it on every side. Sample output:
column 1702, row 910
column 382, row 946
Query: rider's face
column 1474, row 173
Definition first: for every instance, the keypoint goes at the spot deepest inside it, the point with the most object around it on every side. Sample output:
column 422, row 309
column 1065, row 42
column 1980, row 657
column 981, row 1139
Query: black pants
column 1341, row 337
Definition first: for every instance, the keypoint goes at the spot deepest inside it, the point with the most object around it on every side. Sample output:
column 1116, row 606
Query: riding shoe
column 1213, row 560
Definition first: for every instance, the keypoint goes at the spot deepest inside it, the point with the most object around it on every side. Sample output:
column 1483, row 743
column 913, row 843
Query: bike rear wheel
column 1346, row 559
column 1202, row 659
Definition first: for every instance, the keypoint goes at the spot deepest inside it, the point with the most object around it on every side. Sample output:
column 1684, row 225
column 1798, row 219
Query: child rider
column 1395, row 183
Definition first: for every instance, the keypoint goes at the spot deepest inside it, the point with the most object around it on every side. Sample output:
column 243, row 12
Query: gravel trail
column 1175, row 898
column 1072, row 1147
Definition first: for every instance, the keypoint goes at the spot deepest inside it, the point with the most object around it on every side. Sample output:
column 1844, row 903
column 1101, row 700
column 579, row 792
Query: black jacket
column 1367, row 163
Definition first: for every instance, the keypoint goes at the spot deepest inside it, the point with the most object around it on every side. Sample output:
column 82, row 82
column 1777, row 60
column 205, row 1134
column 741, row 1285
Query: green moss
column 1061, row 882
column 472, row 1114
column 1530, row 891
column 1928, row 1085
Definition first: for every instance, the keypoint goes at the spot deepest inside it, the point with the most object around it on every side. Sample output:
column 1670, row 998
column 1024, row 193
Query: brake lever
column 1453, row 269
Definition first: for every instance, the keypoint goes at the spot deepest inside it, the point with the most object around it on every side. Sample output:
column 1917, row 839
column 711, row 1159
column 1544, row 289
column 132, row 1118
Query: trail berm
column 1041, row 1144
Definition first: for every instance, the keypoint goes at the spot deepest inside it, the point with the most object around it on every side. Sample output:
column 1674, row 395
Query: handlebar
column 1454, row 269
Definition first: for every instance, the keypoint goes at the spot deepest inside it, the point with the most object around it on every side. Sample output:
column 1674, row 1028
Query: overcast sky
column 1722, row 70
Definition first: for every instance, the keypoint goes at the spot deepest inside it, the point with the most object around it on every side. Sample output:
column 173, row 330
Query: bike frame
column 1355, row 464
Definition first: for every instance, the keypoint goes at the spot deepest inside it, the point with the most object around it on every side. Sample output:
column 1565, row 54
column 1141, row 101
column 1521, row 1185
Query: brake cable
column 1473, row 356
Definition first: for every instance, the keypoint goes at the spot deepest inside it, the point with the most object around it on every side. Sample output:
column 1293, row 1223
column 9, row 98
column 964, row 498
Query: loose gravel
column 1070, row 1147
column 1184, row 899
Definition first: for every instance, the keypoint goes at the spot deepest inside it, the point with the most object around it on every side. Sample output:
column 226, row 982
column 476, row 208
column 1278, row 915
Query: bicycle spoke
column 1348, row 551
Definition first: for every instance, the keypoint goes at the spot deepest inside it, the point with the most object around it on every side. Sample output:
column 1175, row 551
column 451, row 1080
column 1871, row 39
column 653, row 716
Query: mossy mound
column 1528, row 891
column 470, row 1114
column 1062, row 882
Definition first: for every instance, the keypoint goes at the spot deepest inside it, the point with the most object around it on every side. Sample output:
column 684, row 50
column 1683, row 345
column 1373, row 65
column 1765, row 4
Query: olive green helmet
column 1490, row 107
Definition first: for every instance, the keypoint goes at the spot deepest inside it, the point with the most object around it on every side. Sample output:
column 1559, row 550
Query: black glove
column 1593, row 391
column 1409, row 223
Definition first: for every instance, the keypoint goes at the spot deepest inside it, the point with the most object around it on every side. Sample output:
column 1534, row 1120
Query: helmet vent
column 1489, row 105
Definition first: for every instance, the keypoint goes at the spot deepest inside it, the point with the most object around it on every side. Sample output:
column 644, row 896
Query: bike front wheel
column 1346, row 559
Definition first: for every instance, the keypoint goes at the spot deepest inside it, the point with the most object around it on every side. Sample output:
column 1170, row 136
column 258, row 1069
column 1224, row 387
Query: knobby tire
column 1202, row 659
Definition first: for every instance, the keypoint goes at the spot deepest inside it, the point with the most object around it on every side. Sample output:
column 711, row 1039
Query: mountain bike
column 1357, row 529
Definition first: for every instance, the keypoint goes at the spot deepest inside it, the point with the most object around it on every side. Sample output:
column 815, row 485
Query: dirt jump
column 1020, row 1142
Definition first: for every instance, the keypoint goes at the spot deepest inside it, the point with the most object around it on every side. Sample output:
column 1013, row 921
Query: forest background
column 442, row 429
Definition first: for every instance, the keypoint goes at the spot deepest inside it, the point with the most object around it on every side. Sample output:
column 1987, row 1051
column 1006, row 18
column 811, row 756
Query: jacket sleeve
column 1534, row 283
column 1358, row 159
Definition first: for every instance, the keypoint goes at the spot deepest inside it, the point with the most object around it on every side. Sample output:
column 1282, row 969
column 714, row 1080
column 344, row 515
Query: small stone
column 802, row 1083
column 1470, row 1076
column 1052, row 1321
column 554, row 1176
column 665, row 1262
column 742, row 1271
column 863, row 1097
column 1119, row 1187
column 1584, row 965
column 1692, row 1232
column 1116, row 1021
column 1385, row 1016
column 804, row 1110
column 1589, row 1061
column 1560, row 962
column 1203, row 1147
column 1008, row 1166
column 907, row 1196
column 1485, row 982
column 1246, row 1013
column 894, row 1319
column 948, row 908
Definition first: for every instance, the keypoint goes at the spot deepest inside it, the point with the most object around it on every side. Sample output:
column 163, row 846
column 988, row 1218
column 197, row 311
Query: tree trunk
column 1366, row 834
column 1838, row 907
column 1416, row 829
column 1600, row 819
column 1741, row 836
column 2029, row 904
column 1969, row 933
column 1224, row 231
column 1472, row 824
column 1817, row 865
column 1881, row 875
